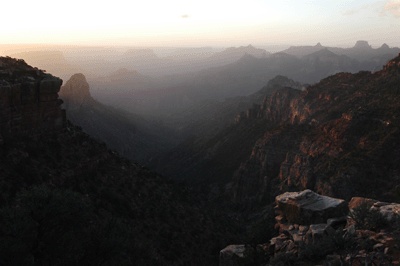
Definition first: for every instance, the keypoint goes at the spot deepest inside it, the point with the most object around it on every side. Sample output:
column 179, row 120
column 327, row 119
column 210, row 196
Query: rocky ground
column 318, row 230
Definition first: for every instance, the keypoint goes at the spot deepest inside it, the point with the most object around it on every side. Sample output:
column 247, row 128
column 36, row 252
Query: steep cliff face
column 29, row 101
column 338, row 137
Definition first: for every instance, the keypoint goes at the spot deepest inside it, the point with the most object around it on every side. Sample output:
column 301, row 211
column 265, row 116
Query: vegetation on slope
column 67, row 199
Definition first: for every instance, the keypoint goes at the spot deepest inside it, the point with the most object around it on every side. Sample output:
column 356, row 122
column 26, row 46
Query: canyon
column 218, row 166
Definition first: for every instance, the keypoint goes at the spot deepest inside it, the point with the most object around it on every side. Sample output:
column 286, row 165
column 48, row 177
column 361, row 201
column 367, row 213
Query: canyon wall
column 338, row 137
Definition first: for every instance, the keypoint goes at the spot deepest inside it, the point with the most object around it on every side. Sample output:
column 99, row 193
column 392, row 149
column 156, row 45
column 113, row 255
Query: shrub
column 367, row 218
column 318, row 249
column 58, row 227
column 283, row 259
column 260, row 233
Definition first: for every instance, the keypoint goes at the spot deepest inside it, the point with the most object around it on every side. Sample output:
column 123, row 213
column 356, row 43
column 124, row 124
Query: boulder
column 356, row 201
column 390, row 211
column 303, row 229
column 279, row 242
column 308, row 207
column 297, row 238
column 280, row 219
column 228, row 254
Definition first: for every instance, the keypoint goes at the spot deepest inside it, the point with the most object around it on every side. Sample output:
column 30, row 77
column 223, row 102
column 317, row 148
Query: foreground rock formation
column 29, row 101
column 314, row 229
column 307, row 206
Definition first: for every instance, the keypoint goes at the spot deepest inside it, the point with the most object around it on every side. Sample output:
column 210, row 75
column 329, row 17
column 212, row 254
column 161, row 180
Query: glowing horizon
column 206, row 23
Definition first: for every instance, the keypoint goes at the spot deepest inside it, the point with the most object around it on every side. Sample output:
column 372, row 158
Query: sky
column 200, row 23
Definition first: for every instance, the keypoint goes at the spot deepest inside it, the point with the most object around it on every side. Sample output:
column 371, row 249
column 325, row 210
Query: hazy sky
column 200, row 23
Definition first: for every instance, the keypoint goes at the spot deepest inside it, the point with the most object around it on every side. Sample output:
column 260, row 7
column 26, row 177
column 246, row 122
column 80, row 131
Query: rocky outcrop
column 75, row 92
column 274, row 107
column 295, row 235
column 259, row 110
column 314, row 230
column 29, row 103
column 307, row 207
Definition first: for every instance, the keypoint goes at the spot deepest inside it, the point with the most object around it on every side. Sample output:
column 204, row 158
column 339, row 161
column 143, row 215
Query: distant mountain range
column 243, row 77
column 361, row 51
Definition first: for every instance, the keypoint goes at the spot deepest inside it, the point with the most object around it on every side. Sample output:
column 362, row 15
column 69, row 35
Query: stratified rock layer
column 29, row 101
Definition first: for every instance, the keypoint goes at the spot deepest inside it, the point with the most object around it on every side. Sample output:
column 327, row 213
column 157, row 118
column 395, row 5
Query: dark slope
column 161, row 222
